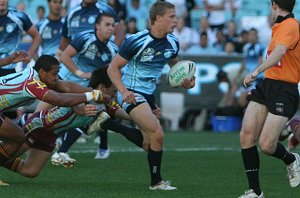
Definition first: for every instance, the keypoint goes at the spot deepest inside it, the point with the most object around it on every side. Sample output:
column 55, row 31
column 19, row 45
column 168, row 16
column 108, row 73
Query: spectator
column 202, row 48
column 184, row 34
column 242, row 41
column 119, row 8
column 20, row 6
column 233, row 6
column 190, row 5
column 216, row 13
column 231, row 34
column 180, row 7
column 137, row 10
column 229, row 48
column 131, row 27
column 204, row 27
column 219, row 44
column 40, row 13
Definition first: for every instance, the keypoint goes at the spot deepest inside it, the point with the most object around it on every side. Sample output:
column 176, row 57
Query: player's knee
column 156, row 137
column 31, row 175
column 266, row 147
column 246, row 138
column 159, row 135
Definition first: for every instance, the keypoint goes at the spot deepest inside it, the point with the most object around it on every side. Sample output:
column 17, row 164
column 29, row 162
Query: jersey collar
column 282, row 18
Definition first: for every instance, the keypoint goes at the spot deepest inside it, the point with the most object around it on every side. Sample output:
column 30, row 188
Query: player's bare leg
column 13, row 135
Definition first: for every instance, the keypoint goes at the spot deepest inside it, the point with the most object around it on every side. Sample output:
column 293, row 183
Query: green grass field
column 200, row 165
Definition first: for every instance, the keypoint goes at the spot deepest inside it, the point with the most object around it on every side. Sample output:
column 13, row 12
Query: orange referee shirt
column 288, row 68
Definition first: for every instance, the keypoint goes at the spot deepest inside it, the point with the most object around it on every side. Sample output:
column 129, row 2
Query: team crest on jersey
column 10, row 27
column 104, row 57
column 92, row 19
column 147, row 55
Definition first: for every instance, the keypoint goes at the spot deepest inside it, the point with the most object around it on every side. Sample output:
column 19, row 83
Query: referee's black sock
column 283, row 154
column 251, row 163
column 68, row 140
column 154, row 161
column 132, row 134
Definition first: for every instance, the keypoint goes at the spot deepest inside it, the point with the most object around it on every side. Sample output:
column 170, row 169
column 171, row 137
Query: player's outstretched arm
column 69, row 87
column 72, row 99
column 15, row 57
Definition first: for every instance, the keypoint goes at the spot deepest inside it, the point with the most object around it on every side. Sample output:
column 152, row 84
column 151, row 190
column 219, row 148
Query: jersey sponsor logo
column 47, row 33
column 147, row 55
column 75, row 21
column 91, row 52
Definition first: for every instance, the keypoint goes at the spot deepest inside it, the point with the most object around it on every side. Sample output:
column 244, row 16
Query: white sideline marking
column 134, row 150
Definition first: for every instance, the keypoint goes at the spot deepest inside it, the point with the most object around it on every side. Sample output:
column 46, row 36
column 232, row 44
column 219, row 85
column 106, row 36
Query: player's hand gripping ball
column 181, row 70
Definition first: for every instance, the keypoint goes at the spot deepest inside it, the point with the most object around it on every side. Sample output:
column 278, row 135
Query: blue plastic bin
column 226, row 123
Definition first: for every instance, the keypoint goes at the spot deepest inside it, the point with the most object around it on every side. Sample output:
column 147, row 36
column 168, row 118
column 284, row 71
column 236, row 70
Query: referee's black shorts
column 280, row 97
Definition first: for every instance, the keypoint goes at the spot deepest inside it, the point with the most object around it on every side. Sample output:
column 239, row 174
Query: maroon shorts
column 41, row 139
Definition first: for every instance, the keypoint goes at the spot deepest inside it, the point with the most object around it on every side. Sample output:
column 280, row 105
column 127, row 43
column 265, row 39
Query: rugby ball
column 181, row 70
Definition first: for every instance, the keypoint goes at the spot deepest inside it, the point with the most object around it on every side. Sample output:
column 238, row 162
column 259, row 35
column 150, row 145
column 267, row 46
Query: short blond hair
column 159, row 8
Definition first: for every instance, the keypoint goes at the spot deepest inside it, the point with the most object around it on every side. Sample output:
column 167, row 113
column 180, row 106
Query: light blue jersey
column 91, row 55
column 50, row 32
column 252, row 53
column 12, row 26
column 147, row 57
column 80, row 18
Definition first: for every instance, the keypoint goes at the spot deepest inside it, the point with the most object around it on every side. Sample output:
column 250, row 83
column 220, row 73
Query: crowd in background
column 217, row 29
